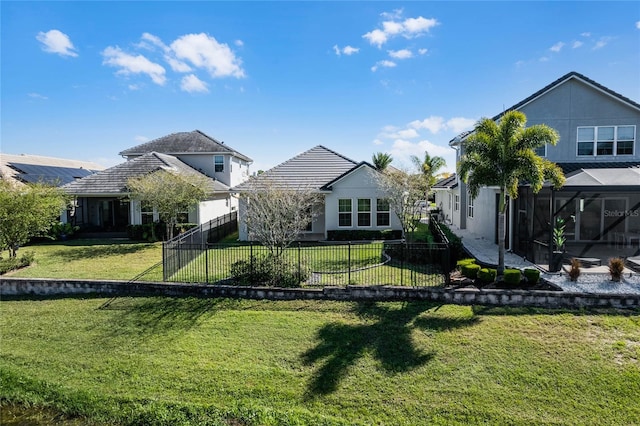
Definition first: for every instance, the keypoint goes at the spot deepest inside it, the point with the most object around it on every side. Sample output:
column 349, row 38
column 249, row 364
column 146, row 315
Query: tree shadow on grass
column 86, row 249
column 388, row 337
column 160, row 316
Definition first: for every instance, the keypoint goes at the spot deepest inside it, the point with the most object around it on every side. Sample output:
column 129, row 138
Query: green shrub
column 470, row 270
column 25, row 259
column 363, row 235
column 487, row 275
column 512, row 277
column 532, row 275
column 467, row 261
column 269, row 270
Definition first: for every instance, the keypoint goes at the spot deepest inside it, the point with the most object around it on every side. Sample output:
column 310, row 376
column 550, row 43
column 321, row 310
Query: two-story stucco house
column 102, row 200
column 352, row 198
column 599, row 153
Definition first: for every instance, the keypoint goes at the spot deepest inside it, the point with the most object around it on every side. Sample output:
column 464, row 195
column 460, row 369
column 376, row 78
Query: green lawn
column 170, row 361
column 93, row 259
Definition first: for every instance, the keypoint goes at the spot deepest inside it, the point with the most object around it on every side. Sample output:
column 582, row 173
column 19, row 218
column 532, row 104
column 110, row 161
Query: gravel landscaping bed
column 596, row 283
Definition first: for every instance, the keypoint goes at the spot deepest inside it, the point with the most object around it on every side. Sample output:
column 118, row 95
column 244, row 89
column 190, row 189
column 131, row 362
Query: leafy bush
column 470, row 270
column 532, row 275
column 512, row 277
column 363, row 235
column 12, row 263
column 60, row 231
column 487, row 275
column 466, row 261
column 269, row 270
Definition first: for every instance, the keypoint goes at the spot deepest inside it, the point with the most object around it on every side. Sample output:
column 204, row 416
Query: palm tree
column 428, row 167
column 381, row 160
column 502, row 154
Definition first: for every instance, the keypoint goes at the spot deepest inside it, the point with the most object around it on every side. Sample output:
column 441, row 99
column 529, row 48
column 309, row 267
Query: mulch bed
column 459, row 281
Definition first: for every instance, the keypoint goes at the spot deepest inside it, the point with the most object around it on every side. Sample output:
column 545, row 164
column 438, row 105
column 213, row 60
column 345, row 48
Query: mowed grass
column 169, row 361
column 93, row 259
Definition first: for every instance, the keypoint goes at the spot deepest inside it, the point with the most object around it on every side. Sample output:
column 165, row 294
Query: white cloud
column 460, row 124
column 204, row 51
column 239, row 43
column 395, row 14
column 385, row 63
column 376, row 37
column 402, row 150
column 422, row 51
column 544, row 59
column 638, row 25
column 602, row 42
column 557, row 47
column 378, row 142
column 129, row 64
column 576, row 44
column 394, row 26
column 141, row 139
column 585, row 34
column 347, row 50
column 434, row 124
column 419, row 25
column 54, row 41
column 401, row 54
column 134, row 87
column 192, row 84
column 37, row 96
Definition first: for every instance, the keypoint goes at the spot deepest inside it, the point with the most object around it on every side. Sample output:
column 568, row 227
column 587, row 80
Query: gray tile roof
column 113, row 181
column 572, row 167
column 446, row 183
column 195, row 142
column 313, row 169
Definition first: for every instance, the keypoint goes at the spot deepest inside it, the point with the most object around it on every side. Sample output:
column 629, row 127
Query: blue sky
column 86, row 80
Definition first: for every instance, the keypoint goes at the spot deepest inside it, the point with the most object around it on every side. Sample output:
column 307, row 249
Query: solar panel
column 34, row 173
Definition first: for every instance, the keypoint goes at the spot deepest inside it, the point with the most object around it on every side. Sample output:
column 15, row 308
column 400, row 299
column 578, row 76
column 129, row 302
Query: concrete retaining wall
column 494, row 297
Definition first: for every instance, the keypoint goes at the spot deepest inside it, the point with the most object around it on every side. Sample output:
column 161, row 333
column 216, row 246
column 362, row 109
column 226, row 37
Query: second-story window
column 606, row 140
column 218, row 162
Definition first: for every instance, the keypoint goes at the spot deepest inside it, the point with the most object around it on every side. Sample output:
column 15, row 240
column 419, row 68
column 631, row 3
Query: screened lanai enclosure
column 601, row 213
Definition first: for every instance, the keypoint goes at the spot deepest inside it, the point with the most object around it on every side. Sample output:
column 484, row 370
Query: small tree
column 429, row 167
column 503, row 154
column 404, row 192
column 275, row 214
column 170, row 193
column 27, row 211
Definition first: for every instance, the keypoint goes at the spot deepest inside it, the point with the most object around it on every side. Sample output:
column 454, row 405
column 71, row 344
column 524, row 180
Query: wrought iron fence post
column 206, row 264
column 349, row 264
column 402, row 263
column 299, row 264
column 251, row 267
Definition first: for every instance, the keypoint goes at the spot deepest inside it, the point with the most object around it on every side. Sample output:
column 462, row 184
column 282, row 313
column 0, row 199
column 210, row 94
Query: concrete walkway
column 486, row 251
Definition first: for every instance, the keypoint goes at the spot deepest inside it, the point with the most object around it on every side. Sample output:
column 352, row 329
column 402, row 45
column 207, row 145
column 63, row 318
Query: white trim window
column 344, row 212
column 364, row 212
column 456, row 202
column 382, row 212
column 470, row 207
column 606, row 140
column 218, row 163
column 146, row 213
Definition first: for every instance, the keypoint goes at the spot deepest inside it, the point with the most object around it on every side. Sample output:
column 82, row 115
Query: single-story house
column 27, row 168
column 102, row 200
column 352, row 197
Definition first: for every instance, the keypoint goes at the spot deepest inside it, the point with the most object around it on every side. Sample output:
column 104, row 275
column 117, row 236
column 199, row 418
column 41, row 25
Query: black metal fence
column 309, row 264
column 179, row 251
